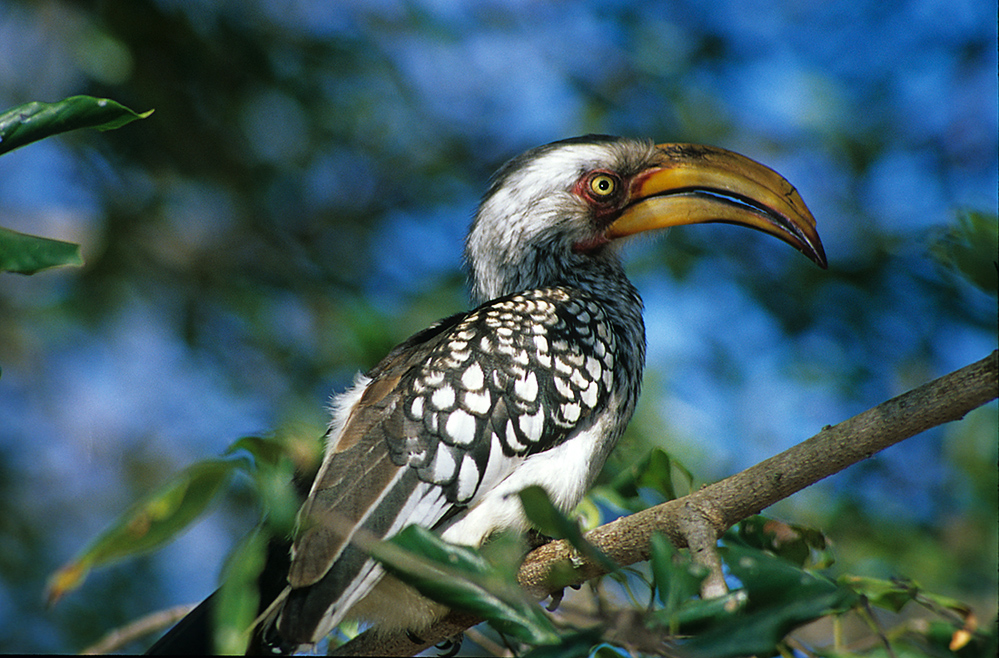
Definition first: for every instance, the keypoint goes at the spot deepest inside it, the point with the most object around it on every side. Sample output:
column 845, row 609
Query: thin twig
column 156, row 621
column 875, row 625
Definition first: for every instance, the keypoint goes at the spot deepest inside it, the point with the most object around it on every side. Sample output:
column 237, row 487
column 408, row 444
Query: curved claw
column 451, row 646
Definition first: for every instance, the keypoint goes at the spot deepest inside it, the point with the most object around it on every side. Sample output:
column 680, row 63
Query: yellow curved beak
column 696, row 184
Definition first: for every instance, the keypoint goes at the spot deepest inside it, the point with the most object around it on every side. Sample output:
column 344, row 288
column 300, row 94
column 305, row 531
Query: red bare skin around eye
column 605, row 210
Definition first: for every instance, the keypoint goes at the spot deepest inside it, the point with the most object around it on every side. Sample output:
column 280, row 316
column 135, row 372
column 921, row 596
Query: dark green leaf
column 570, row 646
column 33, row 121
column 462, row 578
column 768, row 578
column 149, row 524
column 695, row 615
column 759, row 632
column 273, row 471
column 780, row 597
column 677, row 578
column 655, row 472
column 421, row 542
column 263, row 450
column 550, row 521
column 896, row 593
column 805, row 547
column 27, row 254
column 658, row 474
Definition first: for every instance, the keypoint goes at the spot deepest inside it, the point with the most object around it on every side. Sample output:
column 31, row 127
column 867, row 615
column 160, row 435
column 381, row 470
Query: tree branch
column 721, row 505
column 137, row 629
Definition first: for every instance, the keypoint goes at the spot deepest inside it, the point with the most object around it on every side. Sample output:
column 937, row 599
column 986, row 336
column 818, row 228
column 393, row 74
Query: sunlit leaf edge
column 22, row 253
column 30, row 122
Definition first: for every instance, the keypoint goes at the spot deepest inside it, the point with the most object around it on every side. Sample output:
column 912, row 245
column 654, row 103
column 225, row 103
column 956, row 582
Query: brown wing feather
column 354, row 476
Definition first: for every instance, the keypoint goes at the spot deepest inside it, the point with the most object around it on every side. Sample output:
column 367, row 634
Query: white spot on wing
column 443, row 398
column 589, row 396
column 511, row 437
column 416, row 407
column 579, row 379
column 562, row 386
column 527, row 387
column 477, row 402
column 468, row 478
column 472, row 379
column 444, row 465
column 460, row 426
column 532, row 426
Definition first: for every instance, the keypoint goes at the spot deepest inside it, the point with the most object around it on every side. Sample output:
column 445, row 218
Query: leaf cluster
column 777, row 574
column 24, row 124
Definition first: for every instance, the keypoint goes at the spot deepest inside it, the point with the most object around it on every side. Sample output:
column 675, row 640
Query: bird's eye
column 603, row 186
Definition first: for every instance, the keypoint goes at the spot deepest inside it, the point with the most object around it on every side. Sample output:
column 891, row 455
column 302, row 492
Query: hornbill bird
column 532, row 387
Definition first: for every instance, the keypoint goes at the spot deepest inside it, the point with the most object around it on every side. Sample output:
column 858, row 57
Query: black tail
column 192, row 635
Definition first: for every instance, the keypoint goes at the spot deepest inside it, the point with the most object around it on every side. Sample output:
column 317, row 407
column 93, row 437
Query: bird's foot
column 448, row 647
column 536, row 540
column 451, row 646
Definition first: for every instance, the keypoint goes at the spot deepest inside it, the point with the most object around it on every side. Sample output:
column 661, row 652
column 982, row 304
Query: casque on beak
column 694, row 184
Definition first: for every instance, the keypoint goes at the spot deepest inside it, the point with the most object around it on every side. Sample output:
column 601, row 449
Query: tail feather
column 313, row 611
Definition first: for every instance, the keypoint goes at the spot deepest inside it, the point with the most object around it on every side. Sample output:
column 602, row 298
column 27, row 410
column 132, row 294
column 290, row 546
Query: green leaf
column 882, row 593
column 780, row 597
column 947, row 639
column 263, row 450
column 149, row 524
column 570, row 646
column 894, row 594
column 34, row 121
column 239, row 597
column 655, row 472
column 696, row 615
column 462, row 578
column 968, row 248
column 549, row 520
column 676, row 577
column 805, row 547
column 273, row 471
column 27, row 254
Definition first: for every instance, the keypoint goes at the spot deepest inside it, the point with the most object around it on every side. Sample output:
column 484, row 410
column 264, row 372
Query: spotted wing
column 443, row 419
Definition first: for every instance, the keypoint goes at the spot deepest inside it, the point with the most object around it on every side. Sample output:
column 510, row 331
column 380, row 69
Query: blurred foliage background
column 296, row 205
